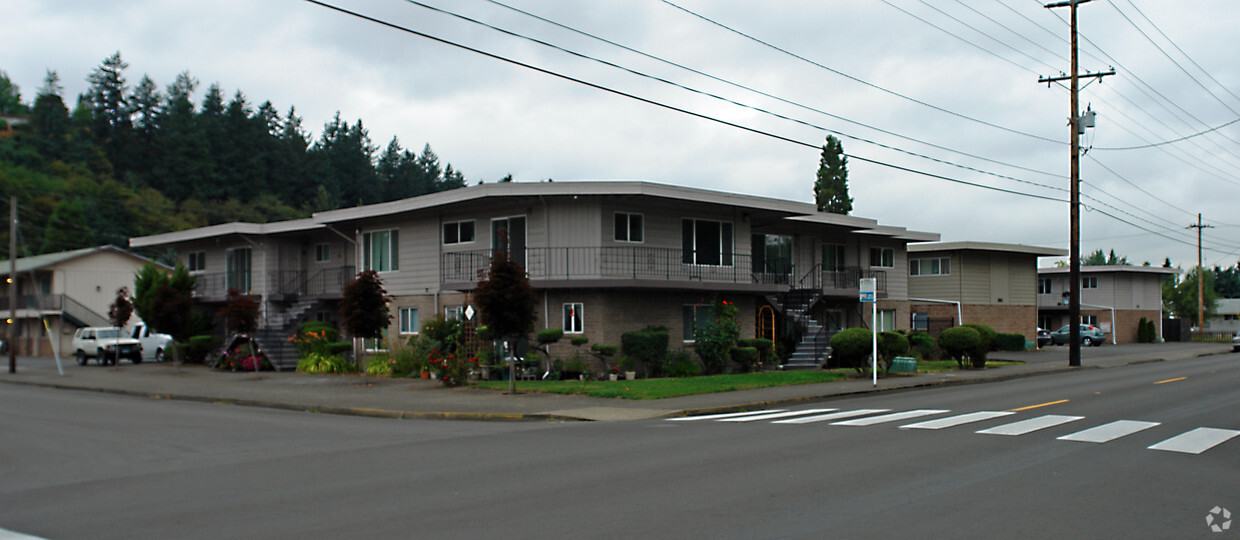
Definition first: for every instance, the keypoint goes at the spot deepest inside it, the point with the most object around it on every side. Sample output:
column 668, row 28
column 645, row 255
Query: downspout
column 959, row 311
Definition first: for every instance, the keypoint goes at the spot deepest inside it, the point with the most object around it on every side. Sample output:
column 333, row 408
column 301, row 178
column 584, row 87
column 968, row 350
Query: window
column 452, row 313
column 886, row 320
column 706, row 242
column 1091, row 320
column 196, row 261
column 379, row 251
column 772, row 253
column 322, row 253
column 832, row 257
column 508, row 234
column 574, row 318
column 883, row 257
column 629, row 227
column 408, row 320
column 237, row 274
column 921, row 321
column 376, row 344
column 696, row 316
column 1089, row 282
column 930, row 267
column 1044, row 286
column 458, row 232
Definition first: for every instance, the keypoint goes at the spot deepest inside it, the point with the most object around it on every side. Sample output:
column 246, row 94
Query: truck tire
column 81, row 357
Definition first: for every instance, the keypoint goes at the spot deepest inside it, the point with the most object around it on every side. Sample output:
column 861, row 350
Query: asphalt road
column 79, row 464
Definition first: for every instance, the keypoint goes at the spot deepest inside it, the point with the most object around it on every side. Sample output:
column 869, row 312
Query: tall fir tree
column 831, row 185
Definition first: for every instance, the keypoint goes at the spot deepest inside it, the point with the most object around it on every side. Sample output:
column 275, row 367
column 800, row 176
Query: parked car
column 1235, row 342
column 1090, row 335
column 154, row 345
column 104, row 344
column 1044, row 337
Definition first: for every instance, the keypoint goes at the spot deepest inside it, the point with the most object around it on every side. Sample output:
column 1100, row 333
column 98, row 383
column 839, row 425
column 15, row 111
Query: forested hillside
column 131, row 160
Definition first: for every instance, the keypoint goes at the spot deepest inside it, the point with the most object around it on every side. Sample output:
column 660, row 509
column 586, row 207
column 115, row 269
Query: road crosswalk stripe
column 718, row 416
column 1196, row 441
column 1033, row 424
column 889, row 417
column 957, row 420
column 774, row 415
column 1108, row 432
column 830, row 416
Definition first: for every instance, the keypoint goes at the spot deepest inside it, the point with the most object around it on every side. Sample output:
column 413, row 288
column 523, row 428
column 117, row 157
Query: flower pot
column 613, row 376
column 630, row 375
column 426, row 375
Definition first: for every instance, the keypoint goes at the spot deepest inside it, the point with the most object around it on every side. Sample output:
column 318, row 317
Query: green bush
column 1146, row 331
column 851, row 347
column 196, row 350
column 315, row 337
column 764, row 346
column 380, row 366
column 578, row 341
column 680, row 364
column 963, row 343
column 922, row 345
column 989, row 338
column 547, row 336
column 714, row 338
column 747, row 357
column 648, row 346
column 318, row 364
column 891, row 345
column 1010, row 342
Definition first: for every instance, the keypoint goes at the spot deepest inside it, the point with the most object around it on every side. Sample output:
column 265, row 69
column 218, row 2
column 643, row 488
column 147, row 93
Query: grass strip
column 669, row 387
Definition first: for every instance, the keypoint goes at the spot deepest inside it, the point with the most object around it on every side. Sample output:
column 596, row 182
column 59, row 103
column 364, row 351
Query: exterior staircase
column 273, row 335
column 811, row 351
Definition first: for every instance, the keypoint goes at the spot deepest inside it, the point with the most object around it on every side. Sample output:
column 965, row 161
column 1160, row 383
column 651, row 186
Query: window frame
column 690, row 316
column 915, row 268
column 577, row 311
column 322, row 253
column 1089, row 282
column 393, row 251
column 376, row 345
column 626, row 235
column 885, row 316
column 247, row 274
column 883, row 252
column 1046, row 286
column 406, row 329
column 691, row 255
column 196, row 261
column 456, row 225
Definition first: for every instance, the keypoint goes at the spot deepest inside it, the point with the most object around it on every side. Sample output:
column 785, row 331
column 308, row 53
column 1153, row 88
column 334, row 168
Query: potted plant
column 629, row 372
column 614, row 373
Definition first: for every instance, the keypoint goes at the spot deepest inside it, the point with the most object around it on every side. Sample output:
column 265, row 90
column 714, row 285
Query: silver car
column 1235, row 342
column 1090, row 335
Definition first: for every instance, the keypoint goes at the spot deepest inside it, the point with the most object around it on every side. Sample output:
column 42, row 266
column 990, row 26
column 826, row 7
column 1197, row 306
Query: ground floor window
column 574, row 318
column 886, row 320
column 696, row 316
column 1089, row 319
column 921, row 321
column 379, row 344
column 408, row 320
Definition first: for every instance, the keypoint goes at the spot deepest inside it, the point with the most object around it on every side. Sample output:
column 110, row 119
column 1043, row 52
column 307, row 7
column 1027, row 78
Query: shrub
column 1146, row 331
column 452, row 370
column 648, row 346
column 714, row 338
column 315, row 337
column 578, row 341
column 989, row 338
column 318, row 364
column 196, row 350
column 764, row 346
column 380, row 366
column 747, row 357
column 445, row 333
column 891, row 345
column 923, row 345
column 851, row 347
column 961, row 343
column 1010, row 342
column 680, row 364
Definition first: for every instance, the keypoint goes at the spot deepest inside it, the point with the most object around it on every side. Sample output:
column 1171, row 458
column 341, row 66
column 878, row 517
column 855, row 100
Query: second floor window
column 706, row 242
column 322, row 253
column 629, row 227
column 237, row 275
column 930, row 267
column 379, row 251
column 883, row 257
column 1089, row 282
column 196, row 261
column 458, row 232
column 1044, row 286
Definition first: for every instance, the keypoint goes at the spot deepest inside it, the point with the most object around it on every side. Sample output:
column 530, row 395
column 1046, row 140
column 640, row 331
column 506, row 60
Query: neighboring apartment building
column 953, row 283
column 1114, row 298
column 1226, row 318
column 604, row 257
column 65, row 291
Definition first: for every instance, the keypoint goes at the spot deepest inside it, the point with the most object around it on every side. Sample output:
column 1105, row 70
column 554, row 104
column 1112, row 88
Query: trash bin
column 903, row 364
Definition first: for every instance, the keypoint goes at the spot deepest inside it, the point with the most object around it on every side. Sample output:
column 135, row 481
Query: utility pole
column 1201, row 277
column 12, row 328
column 1076, row 127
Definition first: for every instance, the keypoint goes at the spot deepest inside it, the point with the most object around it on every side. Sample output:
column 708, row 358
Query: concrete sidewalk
column 415, row 398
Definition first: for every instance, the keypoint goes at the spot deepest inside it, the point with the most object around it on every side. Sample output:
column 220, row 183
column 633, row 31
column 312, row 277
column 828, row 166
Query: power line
column 975, row 29
column 1172, row 141
column 855, row 79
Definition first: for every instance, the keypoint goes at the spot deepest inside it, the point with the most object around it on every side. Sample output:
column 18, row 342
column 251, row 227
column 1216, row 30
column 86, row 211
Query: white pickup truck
column 154, row 345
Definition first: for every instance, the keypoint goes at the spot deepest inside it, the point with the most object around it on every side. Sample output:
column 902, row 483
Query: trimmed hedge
column 851, row 347
column 1011, row 342
column 747, row 357
column 961, row 343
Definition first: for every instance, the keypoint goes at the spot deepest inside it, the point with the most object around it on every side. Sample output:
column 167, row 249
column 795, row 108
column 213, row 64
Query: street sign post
column 869, row 289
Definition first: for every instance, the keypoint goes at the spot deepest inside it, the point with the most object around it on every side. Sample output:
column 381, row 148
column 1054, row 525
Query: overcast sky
column 954, row 81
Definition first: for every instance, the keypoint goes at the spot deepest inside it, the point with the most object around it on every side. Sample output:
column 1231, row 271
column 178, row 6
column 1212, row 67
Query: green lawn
column 669, row 387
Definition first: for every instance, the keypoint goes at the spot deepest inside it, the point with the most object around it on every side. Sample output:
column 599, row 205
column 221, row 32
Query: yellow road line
column 1041, row 405
column 1171, row 380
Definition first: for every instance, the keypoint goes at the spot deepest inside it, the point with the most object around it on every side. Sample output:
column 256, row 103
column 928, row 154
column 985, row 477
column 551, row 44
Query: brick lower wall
column 1009, row 319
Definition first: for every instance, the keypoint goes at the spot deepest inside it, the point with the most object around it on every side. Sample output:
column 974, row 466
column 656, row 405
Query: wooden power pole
column 1201, row 277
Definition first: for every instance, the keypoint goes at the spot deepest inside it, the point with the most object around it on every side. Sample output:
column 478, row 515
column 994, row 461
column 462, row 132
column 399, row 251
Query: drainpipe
column 959, row 311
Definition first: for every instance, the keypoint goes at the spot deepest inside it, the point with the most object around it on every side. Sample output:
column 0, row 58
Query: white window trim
column 401, row 321
column 628, row 227
column 731, row 254
column 319, row 248
column 880, row 257
column 202, row 258
column 458, row 241
column 581, row 306
column 393, row 254
column 916, row 264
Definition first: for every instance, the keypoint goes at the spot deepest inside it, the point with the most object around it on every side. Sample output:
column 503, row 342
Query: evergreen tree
column 1180, row 300
column 831, row 186
column 10, row 96
column 1227, row 281
column 50, row 126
